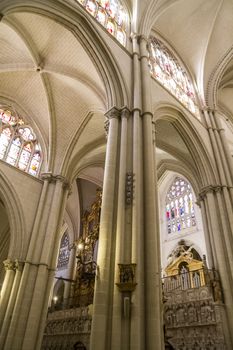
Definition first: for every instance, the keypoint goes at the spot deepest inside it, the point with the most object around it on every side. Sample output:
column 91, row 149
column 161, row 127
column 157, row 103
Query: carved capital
column 65, row 183
column 47, row 176
column 134, row 36
column 125, row 112
column 51, row 178
column 113, row 113
column 9, row 264
column 142, row 38
column 209, row 189
column 19, row 265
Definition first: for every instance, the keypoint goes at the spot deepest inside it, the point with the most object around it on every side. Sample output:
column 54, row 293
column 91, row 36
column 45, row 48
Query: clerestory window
column 110, row 14
column 18, row 142
column 180, row 213
column 166, row 69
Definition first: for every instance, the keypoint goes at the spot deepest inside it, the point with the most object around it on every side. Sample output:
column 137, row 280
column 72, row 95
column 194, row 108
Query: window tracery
column 110, row 14
column 64, row 252
column 179, row 206
column 18, row 143
column 166, row 69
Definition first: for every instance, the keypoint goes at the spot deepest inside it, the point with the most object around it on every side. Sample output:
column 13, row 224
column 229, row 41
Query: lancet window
column 18, row 143
column 180, row 213
column 166, row 69
column 64, row 252
column 110, row 14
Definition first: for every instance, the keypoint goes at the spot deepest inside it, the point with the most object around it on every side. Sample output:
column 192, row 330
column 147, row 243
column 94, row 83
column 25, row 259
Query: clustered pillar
column 27, row 284
column 217, row 203
column 127, row 303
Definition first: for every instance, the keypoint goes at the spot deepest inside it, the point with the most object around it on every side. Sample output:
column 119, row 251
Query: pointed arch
column 205, row 171
column 180, row 168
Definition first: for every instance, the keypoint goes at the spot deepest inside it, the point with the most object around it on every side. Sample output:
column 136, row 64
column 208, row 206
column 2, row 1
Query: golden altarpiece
column 194, row 310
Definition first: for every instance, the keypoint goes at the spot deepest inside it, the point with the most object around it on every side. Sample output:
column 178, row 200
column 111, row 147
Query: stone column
column 222, row 166
column 18, row 266
column 137, row 301
column 102, row 309
column 225, row 147
column 123, row 238
column 153, row 302
column 30, row 296
column 47, row 263
column 24, row 294
column 6, row 287
column 208, row 239
column 222, row 261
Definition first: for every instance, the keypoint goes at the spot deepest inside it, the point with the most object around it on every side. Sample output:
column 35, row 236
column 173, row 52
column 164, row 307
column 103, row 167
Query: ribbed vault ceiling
column 56, row 85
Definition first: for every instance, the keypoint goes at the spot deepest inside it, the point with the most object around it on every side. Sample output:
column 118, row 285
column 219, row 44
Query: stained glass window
column 18, row 144
column 166, row 69
column 110, row 14
column 179, row 206
column 64, row 252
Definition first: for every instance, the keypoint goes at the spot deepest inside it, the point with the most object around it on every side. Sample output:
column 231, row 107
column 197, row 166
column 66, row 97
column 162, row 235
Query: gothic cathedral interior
column 116, row 175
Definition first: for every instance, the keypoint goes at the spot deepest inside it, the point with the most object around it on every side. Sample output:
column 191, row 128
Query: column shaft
column 101, row 330
column 11, row 304
column 138, row 302
column 208, row 239
column 222, row 264
column 6, row 288
column 154, row 332
column 50, row 245
column 116, row 340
